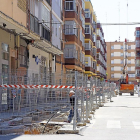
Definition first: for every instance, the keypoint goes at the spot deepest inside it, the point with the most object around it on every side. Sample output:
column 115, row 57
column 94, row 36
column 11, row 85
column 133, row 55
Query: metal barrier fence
column 30, row 97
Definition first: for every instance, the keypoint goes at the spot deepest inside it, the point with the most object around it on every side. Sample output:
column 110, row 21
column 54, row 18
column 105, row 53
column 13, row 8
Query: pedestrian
column 138, row 90
column 72, row 102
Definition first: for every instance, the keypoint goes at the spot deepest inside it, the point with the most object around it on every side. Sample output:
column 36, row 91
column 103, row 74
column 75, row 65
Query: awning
column 48, row 47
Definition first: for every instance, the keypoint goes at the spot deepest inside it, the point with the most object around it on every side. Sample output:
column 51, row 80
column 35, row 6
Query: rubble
column 39, row 128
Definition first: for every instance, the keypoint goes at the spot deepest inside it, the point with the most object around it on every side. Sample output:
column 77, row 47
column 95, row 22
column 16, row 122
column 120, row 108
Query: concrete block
column 12, row 130
column 68, row 131
column 27, row 119
column 15, row 121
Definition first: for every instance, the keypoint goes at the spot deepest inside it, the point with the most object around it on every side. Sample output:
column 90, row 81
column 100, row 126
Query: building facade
column 74, row 22
column 26, row 43
column 115, row 61
column 90, row 40
column 101, row 53
column 137, row 64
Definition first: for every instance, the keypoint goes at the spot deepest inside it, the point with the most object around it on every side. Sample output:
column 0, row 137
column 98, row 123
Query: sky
column 107, row 11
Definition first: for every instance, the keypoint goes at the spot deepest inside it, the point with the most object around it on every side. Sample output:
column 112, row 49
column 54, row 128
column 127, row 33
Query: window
column 129, row 61
column 129, row 68
column 137, row 63
column 121, row 54
column 112, row 75
column 121, row 47
column 121, row 61
column 69, row 29
column 112, row 68
column 112, row 61
column 87, row 13
column 129, row 54
column 5, row 73
column 137, row 33
column 137, row 43
column 87, row 29
column 70, row 51
column 131, row 75
column 129, row 47
column 98, row 44
column 94, row 65
column 112, row 54
column 69, row 5
column 45, row 16
column 45, row 33
column 112, row 47
column 22, row 55
column 5, row 51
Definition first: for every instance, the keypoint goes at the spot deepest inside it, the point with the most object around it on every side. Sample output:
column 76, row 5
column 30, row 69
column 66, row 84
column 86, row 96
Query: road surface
column 117, row 120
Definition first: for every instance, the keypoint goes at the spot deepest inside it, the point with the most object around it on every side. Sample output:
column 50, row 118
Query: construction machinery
column 125, row 86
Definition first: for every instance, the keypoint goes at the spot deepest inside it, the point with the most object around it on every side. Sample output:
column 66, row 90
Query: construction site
column 35, row 106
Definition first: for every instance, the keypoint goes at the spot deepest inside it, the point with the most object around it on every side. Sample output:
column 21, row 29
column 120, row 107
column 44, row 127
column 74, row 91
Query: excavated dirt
column 39, row 128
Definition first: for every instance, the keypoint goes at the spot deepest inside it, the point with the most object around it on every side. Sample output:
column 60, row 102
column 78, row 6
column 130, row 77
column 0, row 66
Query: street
column 117, row 120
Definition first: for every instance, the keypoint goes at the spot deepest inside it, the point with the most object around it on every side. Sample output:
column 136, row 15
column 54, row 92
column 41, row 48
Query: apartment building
column 74, row 23
column 26, row 40
column 101, row 53
column 115, row 61
column 90, row 39
column 137, row 51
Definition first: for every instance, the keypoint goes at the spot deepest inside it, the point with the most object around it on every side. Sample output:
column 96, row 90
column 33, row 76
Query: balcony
column 87, row 46
column 88, row 36
column 87, row 68
column 71, row 14
column 73, row 63
column 137, row 66
column 137, row 76
column 72, row 38
column 88, row 20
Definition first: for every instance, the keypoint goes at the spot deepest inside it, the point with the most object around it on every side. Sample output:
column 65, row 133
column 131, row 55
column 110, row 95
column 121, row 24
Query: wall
column 6, row 38
column 14, row 9
column 33, row 66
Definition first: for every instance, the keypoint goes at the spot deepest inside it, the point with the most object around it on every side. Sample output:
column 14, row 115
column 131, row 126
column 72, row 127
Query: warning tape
column 40, row 86
column 37, row 86
column 43, row 86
